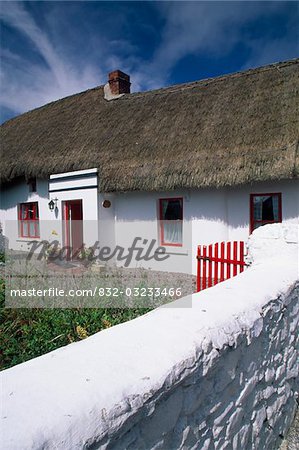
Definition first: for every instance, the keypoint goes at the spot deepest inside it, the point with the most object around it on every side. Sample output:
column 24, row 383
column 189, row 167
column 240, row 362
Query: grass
column 27, row 333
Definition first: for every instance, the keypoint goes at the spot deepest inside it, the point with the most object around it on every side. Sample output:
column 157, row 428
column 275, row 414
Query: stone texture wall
column 237, row 396
column 217, row 370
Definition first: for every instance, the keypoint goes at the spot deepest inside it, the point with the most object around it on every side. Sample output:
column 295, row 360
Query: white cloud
column 208, row 27
column 54, row 69
column 26, row 85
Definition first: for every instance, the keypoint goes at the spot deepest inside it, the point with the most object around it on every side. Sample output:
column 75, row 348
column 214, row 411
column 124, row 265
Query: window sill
column 175, row 250
column 25, row 239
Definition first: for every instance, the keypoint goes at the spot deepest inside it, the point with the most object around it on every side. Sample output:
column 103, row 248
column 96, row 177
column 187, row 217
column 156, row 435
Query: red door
column 73, row 229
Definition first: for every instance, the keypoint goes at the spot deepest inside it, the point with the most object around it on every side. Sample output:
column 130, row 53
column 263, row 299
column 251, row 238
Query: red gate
column 218, row 262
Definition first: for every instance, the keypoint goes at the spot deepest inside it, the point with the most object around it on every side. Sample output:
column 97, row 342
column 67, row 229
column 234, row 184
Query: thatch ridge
column 222, row 131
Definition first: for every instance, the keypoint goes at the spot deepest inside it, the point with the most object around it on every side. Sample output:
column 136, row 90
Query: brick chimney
column 119, row 83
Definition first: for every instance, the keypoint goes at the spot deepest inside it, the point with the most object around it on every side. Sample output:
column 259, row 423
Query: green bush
column 28, row 333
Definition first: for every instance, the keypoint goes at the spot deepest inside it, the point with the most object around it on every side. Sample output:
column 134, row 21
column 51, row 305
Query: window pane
column 171, row 217
column 25, row 229
column 172, row 209
column 265, row 209
column 23, row 211
column 32, row 229
column 258, row 207
column 275, row 207
column 28, row 215
column 31, row 211
column 173, row 231
column 36, row 229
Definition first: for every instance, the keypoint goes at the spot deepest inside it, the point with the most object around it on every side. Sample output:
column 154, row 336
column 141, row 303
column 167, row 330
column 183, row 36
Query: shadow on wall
column 19, row 192
column 235, row 203
column 227, row 206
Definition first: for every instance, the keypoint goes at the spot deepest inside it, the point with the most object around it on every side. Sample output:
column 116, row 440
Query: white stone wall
column 215, row 371
column 238, row 394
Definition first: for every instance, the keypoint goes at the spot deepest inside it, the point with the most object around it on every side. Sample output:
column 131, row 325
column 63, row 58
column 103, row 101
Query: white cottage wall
column 238, row 205
column 18, row 192
column 50, row 222
column 224, row 214
column 137, row 217
column 106, row 223
column 210, row 215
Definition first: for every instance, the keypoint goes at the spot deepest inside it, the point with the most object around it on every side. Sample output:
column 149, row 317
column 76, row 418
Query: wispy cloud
column 72, row 46
column 60, row 71
column 214, row 28
column 26, row 84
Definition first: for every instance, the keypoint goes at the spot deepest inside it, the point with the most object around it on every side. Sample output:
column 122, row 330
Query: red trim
column 66, row 230
column 169, row 244
column 66, row 219
column 25, row 207
column 67, row 237
column 263, row 222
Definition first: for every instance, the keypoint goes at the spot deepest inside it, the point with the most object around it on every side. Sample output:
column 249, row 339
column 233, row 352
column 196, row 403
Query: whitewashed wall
column 210, row 215
column 50, row 222
column 107, row 221
column 222, row 374
column 137, row 216
column 18, row 192
column 224, row 214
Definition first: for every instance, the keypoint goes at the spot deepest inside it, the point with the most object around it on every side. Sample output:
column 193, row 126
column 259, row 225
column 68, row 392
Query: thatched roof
column 224, row 131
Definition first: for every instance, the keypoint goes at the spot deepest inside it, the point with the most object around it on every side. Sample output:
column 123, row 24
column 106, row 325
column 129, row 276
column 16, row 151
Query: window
column 28, row 220
column 264, row 208
column 171, row 221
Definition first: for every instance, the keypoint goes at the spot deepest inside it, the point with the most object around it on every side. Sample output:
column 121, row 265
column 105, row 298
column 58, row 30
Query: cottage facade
column 191, row 164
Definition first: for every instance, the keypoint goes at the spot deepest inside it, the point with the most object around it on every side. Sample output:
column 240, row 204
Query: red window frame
column 161, row 221
column 33, row 207
column 264, row 222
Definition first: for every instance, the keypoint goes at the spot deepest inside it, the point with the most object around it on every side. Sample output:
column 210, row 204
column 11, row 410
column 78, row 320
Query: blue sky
column 53, row 49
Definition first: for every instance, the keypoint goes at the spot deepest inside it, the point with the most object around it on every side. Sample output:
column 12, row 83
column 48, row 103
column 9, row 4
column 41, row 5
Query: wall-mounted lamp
column 53, row 204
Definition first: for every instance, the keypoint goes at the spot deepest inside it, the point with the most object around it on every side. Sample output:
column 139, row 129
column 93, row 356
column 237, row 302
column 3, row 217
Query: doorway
column 73, row 226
